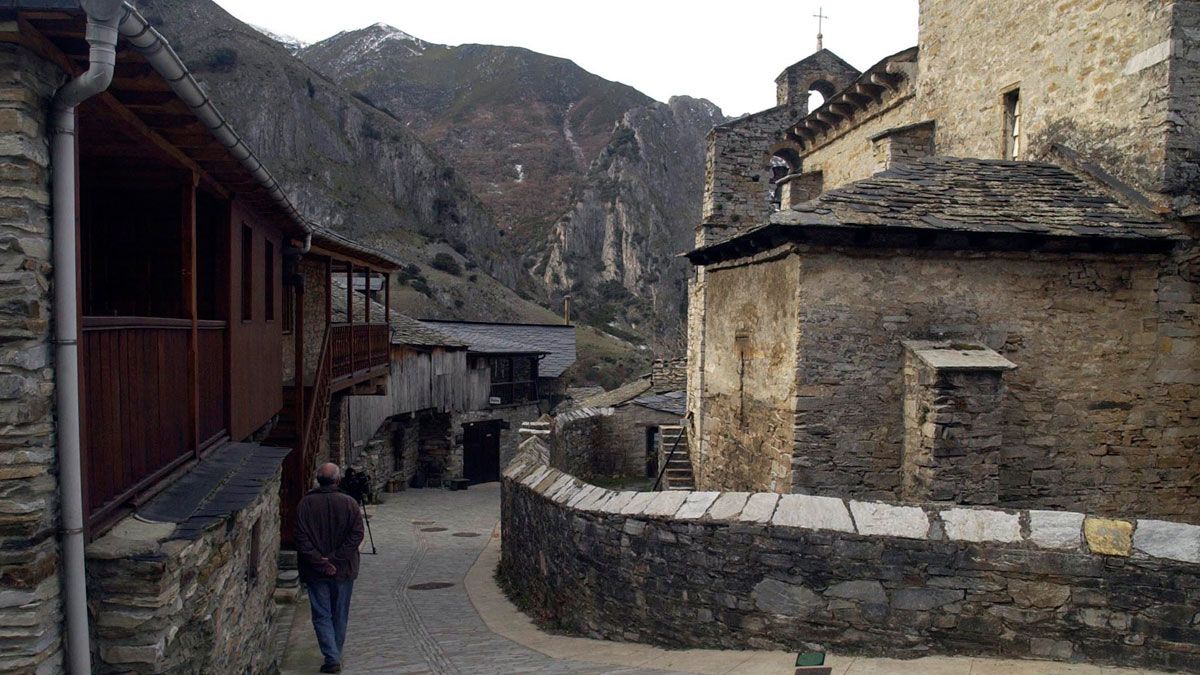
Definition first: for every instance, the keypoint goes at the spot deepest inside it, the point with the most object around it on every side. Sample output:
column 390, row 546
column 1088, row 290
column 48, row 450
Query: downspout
column 103, row 18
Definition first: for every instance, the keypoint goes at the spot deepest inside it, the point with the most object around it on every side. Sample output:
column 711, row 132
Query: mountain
column 596, row 185
column 615, row 251
column 347, row 165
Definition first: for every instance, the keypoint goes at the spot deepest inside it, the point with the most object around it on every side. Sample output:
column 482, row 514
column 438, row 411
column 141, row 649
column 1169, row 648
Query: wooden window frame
column 247, row 274
column 269, row 281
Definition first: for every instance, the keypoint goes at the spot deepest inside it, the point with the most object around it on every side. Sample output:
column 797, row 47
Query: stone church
column 970, row 274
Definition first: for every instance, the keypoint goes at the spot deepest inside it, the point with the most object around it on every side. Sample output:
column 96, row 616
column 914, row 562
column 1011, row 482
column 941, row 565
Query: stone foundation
column 738, row 570
column 203, row 605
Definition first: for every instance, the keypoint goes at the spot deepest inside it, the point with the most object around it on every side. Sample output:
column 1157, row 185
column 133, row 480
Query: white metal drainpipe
column 103, row 18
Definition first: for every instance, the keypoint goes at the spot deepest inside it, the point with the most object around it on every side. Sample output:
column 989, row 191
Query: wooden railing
column 138, row 416
column 358, row 348
column 301, row 462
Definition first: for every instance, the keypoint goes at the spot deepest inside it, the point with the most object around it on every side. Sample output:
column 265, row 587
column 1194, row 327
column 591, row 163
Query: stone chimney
column 898, row 146
column 668, row 375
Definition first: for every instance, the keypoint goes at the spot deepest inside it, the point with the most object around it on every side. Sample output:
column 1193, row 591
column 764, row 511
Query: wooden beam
column 123, row 114
column 190, row 311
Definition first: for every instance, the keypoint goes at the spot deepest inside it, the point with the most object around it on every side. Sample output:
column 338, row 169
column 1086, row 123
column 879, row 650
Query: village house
column 969, row 275
column 151, row 393
column 629, row 432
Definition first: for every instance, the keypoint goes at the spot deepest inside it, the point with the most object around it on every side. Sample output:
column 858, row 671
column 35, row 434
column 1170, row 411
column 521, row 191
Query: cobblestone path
column 426, row 538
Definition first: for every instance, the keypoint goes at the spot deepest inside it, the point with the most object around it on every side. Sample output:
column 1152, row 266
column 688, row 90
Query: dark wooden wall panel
column 256, row 346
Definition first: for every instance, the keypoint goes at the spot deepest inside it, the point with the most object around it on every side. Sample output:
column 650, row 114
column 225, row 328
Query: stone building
column 970, row 275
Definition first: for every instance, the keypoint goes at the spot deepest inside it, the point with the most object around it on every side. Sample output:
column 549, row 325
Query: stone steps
column 678, row 474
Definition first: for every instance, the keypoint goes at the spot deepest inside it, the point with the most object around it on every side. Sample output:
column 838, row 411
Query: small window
column 269, row 280
column 289, row 308
column 247, row 273
column 1012, row 125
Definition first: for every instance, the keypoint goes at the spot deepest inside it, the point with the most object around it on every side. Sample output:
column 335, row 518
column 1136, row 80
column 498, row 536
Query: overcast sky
column 728, row 52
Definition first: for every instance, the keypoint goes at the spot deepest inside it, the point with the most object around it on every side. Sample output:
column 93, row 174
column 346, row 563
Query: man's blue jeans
column 329, row 600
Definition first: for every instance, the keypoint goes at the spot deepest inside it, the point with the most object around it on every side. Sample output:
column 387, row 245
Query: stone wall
column 848, row 153
column 1100, row 414
column 392, row 453
column 29, row 519
column 737, row 570
column 668, row 375
column 509, row 438
column 748, row 400
column 738, row 177
column 1092, row 75
column 604, row 442
column 203, row 605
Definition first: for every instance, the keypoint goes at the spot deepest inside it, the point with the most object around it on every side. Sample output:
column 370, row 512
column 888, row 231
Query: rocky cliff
column 596, row 185
column 615, row 250
column 348, row 165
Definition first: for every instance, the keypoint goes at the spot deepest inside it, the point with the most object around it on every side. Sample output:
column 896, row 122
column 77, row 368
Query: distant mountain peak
column 380, row 34
column 293, row 43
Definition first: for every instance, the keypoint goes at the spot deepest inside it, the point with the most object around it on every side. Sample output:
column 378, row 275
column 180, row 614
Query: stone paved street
column 394, row 629
column 442, row 537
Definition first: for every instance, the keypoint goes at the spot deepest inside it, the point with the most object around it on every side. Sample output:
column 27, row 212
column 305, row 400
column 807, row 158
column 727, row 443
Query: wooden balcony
column 359, row 353
column 141, row 418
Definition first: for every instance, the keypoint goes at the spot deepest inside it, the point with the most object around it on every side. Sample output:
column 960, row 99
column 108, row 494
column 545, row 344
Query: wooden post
column 387, row 298
column 367, row 295
column 350, row 309
column 299, row 360
column 189, row 309
column 328, row 292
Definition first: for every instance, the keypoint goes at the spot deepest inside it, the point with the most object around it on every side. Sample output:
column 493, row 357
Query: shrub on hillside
column 446, row 263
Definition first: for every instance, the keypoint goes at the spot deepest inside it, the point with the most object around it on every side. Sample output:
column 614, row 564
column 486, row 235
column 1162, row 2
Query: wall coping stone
column 979, row 525
column 759, row 508
column 1052, row 530
column 874, row 518
column 813, row 513
column 697, row 505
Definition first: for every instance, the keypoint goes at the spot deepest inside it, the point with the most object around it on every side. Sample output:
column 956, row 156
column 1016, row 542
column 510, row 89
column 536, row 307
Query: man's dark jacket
column 329, row 526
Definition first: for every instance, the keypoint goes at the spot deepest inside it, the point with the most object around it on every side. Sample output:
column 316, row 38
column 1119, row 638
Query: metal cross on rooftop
column 820, row 16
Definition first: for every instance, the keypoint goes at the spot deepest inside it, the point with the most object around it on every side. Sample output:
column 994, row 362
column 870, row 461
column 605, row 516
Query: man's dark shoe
column 331, row 668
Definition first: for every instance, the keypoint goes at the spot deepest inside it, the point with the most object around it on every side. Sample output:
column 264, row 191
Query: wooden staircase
column 301, row 428
column 677, row 474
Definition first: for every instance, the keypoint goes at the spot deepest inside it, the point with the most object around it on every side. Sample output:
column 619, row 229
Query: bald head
column 329, row 474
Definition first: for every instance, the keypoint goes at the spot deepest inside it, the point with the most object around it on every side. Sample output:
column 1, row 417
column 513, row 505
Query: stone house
column 969, row 275
column 619, row 433
column 143, row 363
column 520, row 366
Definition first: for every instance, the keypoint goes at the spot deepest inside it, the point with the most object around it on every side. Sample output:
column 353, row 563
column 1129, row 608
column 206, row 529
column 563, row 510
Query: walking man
column 329, row 528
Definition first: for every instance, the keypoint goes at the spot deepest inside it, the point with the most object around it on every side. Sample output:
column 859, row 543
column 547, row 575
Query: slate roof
column 225, row 482
column 971, row 196
column 673, row 402
column 339, row 243
column 556, row 341
column 622, row 394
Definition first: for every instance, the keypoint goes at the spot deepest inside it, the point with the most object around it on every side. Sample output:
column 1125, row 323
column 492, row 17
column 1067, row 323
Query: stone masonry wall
column 29, row 585
column 669, row 375
column 604, row 442
column 1092, row 75
column 509, row 438
column 162, row 605
column 1100, row 414
column 737, row 180
column 952, row 434
column 748, row 401
column 849, row 154
column 737, row 570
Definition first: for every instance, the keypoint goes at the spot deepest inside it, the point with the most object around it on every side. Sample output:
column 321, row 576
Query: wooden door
column 481, row 452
